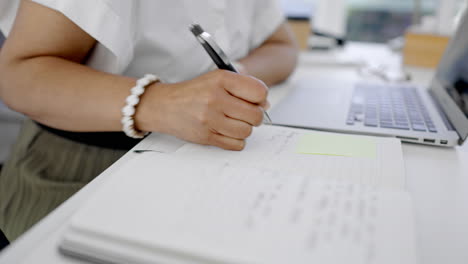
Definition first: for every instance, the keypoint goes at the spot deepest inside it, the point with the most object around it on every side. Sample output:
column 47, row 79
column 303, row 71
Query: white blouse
column 152, row 36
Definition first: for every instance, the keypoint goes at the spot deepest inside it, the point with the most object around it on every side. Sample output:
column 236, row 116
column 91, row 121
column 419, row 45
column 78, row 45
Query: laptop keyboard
column 390, row 107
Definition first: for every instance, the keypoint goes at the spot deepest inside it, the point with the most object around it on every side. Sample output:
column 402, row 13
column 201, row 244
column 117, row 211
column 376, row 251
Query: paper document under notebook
column 267, row 204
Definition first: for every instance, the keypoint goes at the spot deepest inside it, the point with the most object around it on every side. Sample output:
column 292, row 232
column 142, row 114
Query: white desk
column 437, row 180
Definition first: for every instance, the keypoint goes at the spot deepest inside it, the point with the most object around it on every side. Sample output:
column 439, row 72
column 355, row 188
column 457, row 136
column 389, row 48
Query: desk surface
column 437, row 179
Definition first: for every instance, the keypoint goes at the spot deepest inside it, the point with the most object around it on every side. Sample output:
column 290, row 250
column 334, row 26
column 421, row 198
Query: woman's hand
column 44, row 78
column 219, row 108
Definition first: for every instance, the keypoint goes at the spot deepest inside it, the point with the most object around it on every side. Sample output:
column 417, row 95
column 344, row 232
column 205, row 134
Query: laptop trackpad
column 315, row 103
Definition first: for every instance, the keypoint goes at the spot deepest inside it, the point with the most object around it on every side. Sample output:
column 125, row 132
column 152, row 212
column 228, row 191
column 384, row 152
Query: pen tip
column 196, row 29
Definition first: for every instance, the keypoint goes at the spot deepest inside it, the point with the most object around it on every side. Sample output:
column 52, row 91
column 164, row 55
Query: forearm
column 44, row 78
column 65, row 95
column 272, row 63
column 275, row 59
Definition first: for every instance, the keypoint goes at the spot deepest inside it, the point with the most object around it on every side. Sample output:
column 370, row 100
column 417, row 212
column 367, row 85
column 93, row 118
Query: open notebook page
column 283, row 149
column 166, row 209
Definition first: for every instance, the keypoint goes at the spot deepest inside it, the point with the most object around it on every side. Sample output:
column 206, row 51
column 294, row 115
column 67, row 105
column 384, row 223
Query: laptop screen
column 454, row 74
column 459, row 88
column 451, row 83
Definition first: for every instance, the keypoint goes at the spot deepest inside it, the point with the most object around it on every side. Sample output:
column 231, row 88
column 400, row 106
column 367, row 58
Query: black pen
column 217, row 54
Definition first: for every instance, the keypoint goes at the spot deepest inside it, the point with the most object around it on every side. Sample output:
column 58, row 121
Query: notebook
column 287, row 198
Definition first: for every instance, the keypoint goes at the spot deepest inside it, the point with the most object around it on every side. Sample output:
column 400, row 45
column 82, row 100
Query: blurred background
column 375, row 20
column 382, row 20
column 417, row 32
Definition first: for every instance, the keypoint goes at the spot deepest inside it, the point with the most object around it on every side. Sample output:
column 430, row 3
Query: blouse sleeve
column 109, row 22
column 267, row 17
column 7, row 15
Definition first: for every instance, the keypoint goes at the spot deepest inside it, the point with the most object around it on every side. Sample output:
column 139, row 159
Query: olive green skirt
column 43, row 171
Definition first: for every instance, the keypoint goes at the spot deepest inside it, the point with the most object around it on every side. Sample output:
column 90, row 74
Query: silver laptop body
column 434, row 116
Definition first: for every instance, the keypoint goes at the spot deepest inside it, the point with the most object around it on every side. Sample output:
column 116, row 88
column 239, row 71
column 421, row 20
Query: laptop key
column 397, row 108
column 401, row 123
column 431, row 127
column 402, row 126
column 417, row 122
column 386, row 125
column 386, row 120
column 371, row 122
column 418, row 127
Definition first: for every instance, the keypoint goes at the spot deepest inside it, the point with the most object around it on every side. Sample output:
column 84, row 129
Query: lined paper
column 226, row 213
column 277, row 148
column 267, row 204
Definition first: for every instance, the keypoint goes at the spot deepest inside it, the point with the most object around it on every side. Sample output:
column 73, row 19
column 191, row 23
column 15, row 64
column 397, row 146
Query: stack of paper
column 290, row 197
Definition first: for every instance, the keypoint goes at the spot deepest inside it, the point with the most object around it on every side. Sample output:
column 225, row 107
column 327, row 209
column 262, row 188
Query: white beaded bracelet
column 128, row 112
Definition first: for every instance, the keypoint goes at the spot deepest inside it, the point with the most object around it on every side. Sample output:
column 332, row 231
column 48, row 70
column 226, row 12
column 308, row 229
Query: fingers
column 228, row 143
column 244, row 87
column 228, row 133
column 233, row 128
column 244, row 111
column 220, row 108
column 265, row 105
column 247, row 98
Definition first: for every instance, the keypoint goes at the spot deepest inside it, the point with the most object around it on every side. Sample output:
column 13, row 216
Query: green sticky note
column 337, row 145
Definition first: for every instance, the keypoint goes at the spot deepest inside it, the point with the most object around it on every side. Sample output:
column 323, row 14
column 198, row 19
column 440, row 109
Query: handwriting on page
column 276, row 148
column 273, row 141
column 266, row 204
column 333, row 216
column 318, row 218
column 257, row 207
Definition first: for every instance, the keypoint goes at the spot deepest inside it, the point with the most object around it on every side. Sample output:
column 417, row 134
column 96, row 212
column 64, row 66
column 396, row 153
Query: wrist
column 148, row 116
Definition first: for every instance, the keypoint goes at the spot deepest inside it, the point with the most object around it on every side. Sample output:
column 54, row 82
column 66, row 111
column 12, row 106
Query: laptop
column 435, row 116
